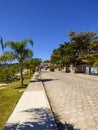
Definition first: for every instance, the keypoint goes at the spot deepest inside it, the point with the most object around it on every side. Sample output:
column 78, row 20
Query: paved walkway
column 74, row 99
column 32, row 111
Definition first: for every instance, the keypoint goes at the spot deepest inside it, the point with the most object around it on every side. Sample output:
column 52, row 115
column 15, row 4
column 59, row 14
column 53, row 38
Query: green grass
column 9, row 96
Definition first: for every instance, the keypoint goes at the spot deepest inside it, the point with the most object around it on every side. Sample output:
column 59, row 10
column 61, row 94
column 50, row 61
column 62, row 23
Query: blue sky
column 46, row 22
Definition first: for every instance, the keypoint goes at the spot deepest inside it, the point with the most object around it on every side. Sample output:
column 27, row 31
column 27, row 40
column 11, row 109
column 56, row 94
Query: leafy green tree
column 75, row 51
column 65, row 53
column 62, row 55
column 32, row 63
column 92, row 56
column 80, row 44
column 19, row 52
column 94, row 45
column 56, row 56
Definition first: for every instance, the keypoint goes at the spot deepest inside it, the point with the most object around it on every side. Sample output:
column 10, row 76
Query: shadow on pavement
column 63, row 126
column 46, row 80
column 39, row 119
column 43, row 80
column 34, row 80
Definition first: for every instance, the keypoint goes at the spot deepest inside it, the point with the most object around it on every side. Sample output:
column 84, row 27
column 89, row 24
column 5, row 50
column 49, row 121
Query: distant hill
column 7, row 65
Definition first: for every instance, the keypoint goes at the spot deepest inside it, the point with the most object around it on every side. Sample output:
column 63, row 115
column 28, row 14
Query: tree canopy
column 82, row 48
column 18, row 51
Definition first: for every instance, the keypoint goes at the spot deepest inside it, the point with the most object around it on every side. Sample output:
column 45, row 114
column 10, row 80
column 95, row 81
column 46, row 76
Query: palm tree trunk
column 21, row 73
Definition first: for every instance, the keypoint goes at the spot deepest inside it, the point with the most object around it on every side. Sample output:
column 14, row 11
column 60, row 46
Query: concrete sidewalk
column 32, row 111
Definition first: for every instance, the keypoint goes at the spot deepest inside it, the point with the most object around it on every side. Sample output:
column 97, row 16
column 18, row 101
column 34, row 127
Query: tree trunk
column 21, row 73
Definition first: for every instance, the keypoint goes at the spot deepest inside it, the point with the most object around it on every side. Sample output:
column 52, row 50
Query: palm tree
column 19, row 52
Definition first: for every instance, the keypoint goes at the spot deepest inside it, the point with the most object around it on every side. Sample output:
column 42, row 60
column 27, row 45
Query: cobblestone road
column 74, row 99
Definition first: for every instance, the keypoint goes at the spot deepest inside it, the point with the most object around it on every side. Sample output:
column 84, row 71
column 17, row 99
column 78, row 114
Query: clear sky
column 46, row 22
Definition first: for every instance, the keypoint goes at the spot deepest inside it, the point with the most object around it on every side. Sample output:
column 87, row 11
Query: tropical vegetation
column 12, row 72
column 81, row 49
column 18, row 51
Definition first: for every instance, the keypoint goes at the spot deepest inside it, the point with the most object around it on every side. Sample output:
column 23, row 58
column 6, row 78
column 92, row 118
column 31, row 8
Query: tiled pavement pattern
column 74, row 99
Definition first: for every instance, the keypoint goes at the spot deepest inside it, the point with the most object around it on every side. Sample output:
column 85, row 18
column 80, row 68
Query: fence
column 87, row 70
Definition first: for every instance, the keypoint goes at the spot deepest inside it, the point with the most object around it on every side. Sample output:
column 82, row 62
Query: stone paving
column 74, row 99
